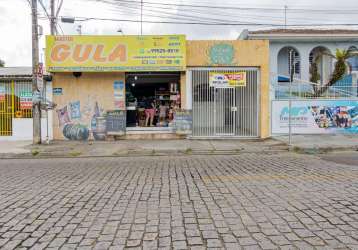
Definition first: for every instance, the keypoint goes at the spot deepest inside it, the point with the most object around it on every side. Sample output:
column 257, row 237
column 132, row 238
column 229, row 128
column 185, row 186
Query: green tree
column 340, row 69
column 2, row 63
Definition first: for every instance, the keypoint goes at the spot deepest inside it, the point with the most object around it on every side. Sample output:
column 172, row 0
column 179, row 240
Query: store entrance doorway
column 151, row 100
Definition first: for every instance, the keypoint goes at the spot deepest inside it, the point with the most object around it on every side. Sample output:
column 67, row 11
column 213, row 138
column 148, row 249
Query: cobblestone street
column 248, row 201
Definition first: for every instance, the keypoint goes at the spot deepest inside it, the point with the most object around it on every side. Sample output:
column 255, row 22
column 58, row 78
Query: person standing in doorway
column 149, row 112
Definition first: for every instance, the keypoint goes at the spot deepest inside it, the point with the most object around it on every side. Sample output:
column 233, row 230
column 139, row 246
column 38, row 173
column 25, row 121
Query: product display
column 154, row 107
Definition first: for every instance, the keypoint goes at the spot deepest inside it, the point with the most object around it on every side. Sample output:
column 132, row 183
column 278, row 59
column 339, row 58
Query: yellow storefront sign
column 115, row 53
column 227, row 80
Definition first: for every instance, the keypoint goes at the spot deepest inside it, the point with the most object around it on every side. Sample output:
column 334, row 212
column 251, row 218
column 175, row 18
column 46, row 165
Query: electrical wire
column 82, row 19
column 354, row 11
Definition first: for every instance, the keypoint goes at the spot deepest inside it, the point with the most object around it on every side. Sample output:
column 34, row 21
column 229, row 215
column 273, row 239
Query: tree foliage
column 340, row 69
column 2, row 63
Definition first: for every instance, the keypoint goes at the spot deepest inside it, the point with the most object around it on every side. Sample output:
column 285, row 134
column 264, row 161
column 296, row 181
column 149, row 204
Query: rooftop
column 15, row 71
column 307, row 31
column 305, row 35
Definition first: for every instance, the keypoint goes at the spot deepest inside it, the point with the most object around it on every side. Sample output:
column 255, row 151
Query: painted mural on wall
column 80, row 122
column 221, row 54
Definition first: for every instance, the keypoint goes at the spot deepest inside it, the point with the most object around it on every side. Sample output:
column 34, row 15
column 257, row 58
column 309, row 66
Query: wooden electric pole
column 36, row 111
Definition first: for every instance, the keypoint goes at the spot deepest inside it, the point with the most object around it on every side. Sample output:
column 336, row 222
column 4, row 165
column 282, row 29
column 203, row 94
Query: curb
column 142, row 154
column 320, row 150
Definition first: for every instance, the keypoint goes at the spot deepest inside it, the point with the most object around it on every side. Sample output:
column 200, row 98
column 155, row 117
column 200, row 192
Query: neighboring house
column 16, row 104
column 308, row 46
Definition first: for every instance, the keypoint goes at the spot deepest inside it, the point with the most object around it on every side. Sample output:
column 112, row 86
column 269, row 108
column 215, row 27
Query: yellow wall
column 87, row 89
column 247, row 53
column 98, row 87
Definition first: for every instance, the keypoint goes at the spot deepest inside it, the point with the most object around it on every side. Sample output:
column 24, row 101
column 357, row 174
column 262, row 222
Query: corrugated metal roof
column 15, row 71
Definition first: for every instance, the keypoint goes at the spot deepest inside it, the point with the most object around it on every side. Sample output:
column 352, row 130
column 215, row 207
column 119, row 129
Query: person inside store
column 149, row 111
column 163, row 110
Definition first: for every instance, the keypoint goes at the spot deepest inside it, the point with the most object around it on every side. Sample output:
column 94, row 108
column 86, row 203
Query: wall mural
column 79, row 124
column 221, row 54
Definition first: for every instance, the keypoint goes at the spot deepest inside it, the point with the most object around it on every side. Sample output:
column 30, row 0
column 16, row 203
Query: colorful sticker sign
column 115, row 53
column 26, row 100
column 119, row 95
column 2, row 93
column 227, row 80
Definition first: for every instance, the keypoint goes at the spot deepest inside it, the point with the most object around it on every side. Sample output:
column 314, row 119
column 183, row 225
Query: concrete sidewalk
column 310, row 144
column 143, row 147
column 322, row 143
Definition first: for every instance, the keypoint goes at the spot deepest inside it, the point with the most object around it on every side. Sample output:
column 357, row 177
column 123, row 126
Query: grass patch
column 75, row 153
column 188, row 151
column 35, row 152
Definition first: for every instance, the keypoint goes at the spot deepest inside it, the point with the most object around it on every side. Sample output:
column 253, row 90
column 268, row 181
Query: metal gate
column 224, row 112
column 15, row 102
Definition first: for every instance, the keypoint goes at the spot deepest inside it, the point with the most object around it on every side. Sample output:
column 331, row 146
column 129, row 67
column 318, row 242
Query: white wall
column 304, row 48
column 22, row 127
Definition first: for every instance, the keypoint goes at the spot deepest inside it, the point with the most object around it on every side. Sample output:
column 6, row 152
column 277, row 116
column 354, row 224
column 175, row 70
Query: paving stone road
column 248, row 201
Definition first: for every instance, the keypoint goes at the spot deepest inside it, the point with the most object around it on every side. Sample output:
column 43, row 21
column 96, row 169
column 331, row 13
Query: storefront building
column 158, row 87
column 16, row 122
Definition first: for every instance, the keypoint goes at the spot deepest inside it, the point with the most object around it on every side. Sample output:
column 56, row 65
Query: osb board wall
column 82, row 98
column 236, row 53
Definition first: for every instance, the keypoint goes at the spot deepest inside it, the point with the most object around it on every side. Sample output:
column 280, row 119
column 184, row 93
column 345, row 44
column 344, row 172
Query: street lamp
column 68, row 19
column 120, row 31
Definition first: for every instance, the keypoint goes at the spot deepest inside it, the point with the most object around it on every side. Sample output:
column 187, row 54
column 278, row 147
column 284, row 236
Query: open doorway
column 152, row 99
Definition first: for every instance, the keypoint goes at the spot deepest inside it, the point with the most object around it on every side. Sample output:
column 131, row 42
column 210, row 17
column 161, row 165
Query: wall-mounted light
column 133, row 84
column 136, row 78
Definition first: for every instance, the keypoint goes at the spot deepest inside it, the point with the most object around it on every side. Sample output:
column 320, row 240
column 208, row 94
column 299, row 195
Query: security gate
column 15, row 102
column 224, row 112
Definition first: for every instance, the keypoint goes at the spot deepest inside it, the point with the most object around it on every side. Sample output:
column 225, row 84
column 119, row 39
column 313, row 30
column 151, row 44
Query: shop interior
column 152, row 99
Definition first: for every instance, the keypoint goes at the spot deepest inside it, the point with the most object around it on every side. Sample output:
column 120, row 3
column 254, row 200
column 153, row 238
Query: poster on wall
column 119, row 95
column 227, row 80
column 75, row 110
column 315, row 117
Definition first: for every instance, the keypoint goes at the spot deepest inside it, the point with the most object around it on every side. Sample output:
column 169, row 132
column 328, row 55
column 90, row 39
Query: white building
column 16, row 122
column 308, row 46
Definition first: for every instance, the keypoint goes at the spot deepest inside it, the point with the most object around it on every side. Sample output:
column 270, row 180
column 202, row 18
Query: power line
column 355, row 11
column 211, row 24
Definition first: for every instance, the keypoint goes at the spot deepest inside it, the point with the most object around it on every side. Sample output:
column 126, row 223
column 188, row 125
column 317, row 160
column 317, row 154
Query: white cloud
column 15, row 20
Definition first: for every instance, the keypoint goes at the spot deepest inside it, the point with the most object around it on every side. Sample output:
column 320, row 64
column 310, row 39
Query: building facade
column 309, row 47
column 16, row 105
column 158, row 87
column 309, row 104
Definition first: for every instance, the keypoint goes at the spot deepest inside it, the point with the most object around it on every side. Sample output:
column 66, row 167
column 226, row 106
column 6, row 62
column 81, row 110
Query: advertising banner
column 25, row 100
column 315, row 117
column 115, row 53
column 119, row 95
column 226, row 80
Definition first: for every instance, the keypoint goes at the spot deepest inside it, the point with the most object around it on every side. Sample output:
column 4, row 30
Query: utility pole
column 53, row 18
column 286, row 16
column 141, row 17
column 36, row 112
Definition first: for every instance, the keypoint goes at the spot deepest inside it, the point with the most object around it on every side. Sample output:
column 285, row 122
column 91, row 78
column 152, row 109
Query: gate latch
column 233, row 109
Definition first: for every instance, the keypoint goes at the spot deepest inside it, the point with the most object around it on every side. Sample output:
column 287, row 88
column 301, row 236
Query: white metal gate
column 224, row 112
